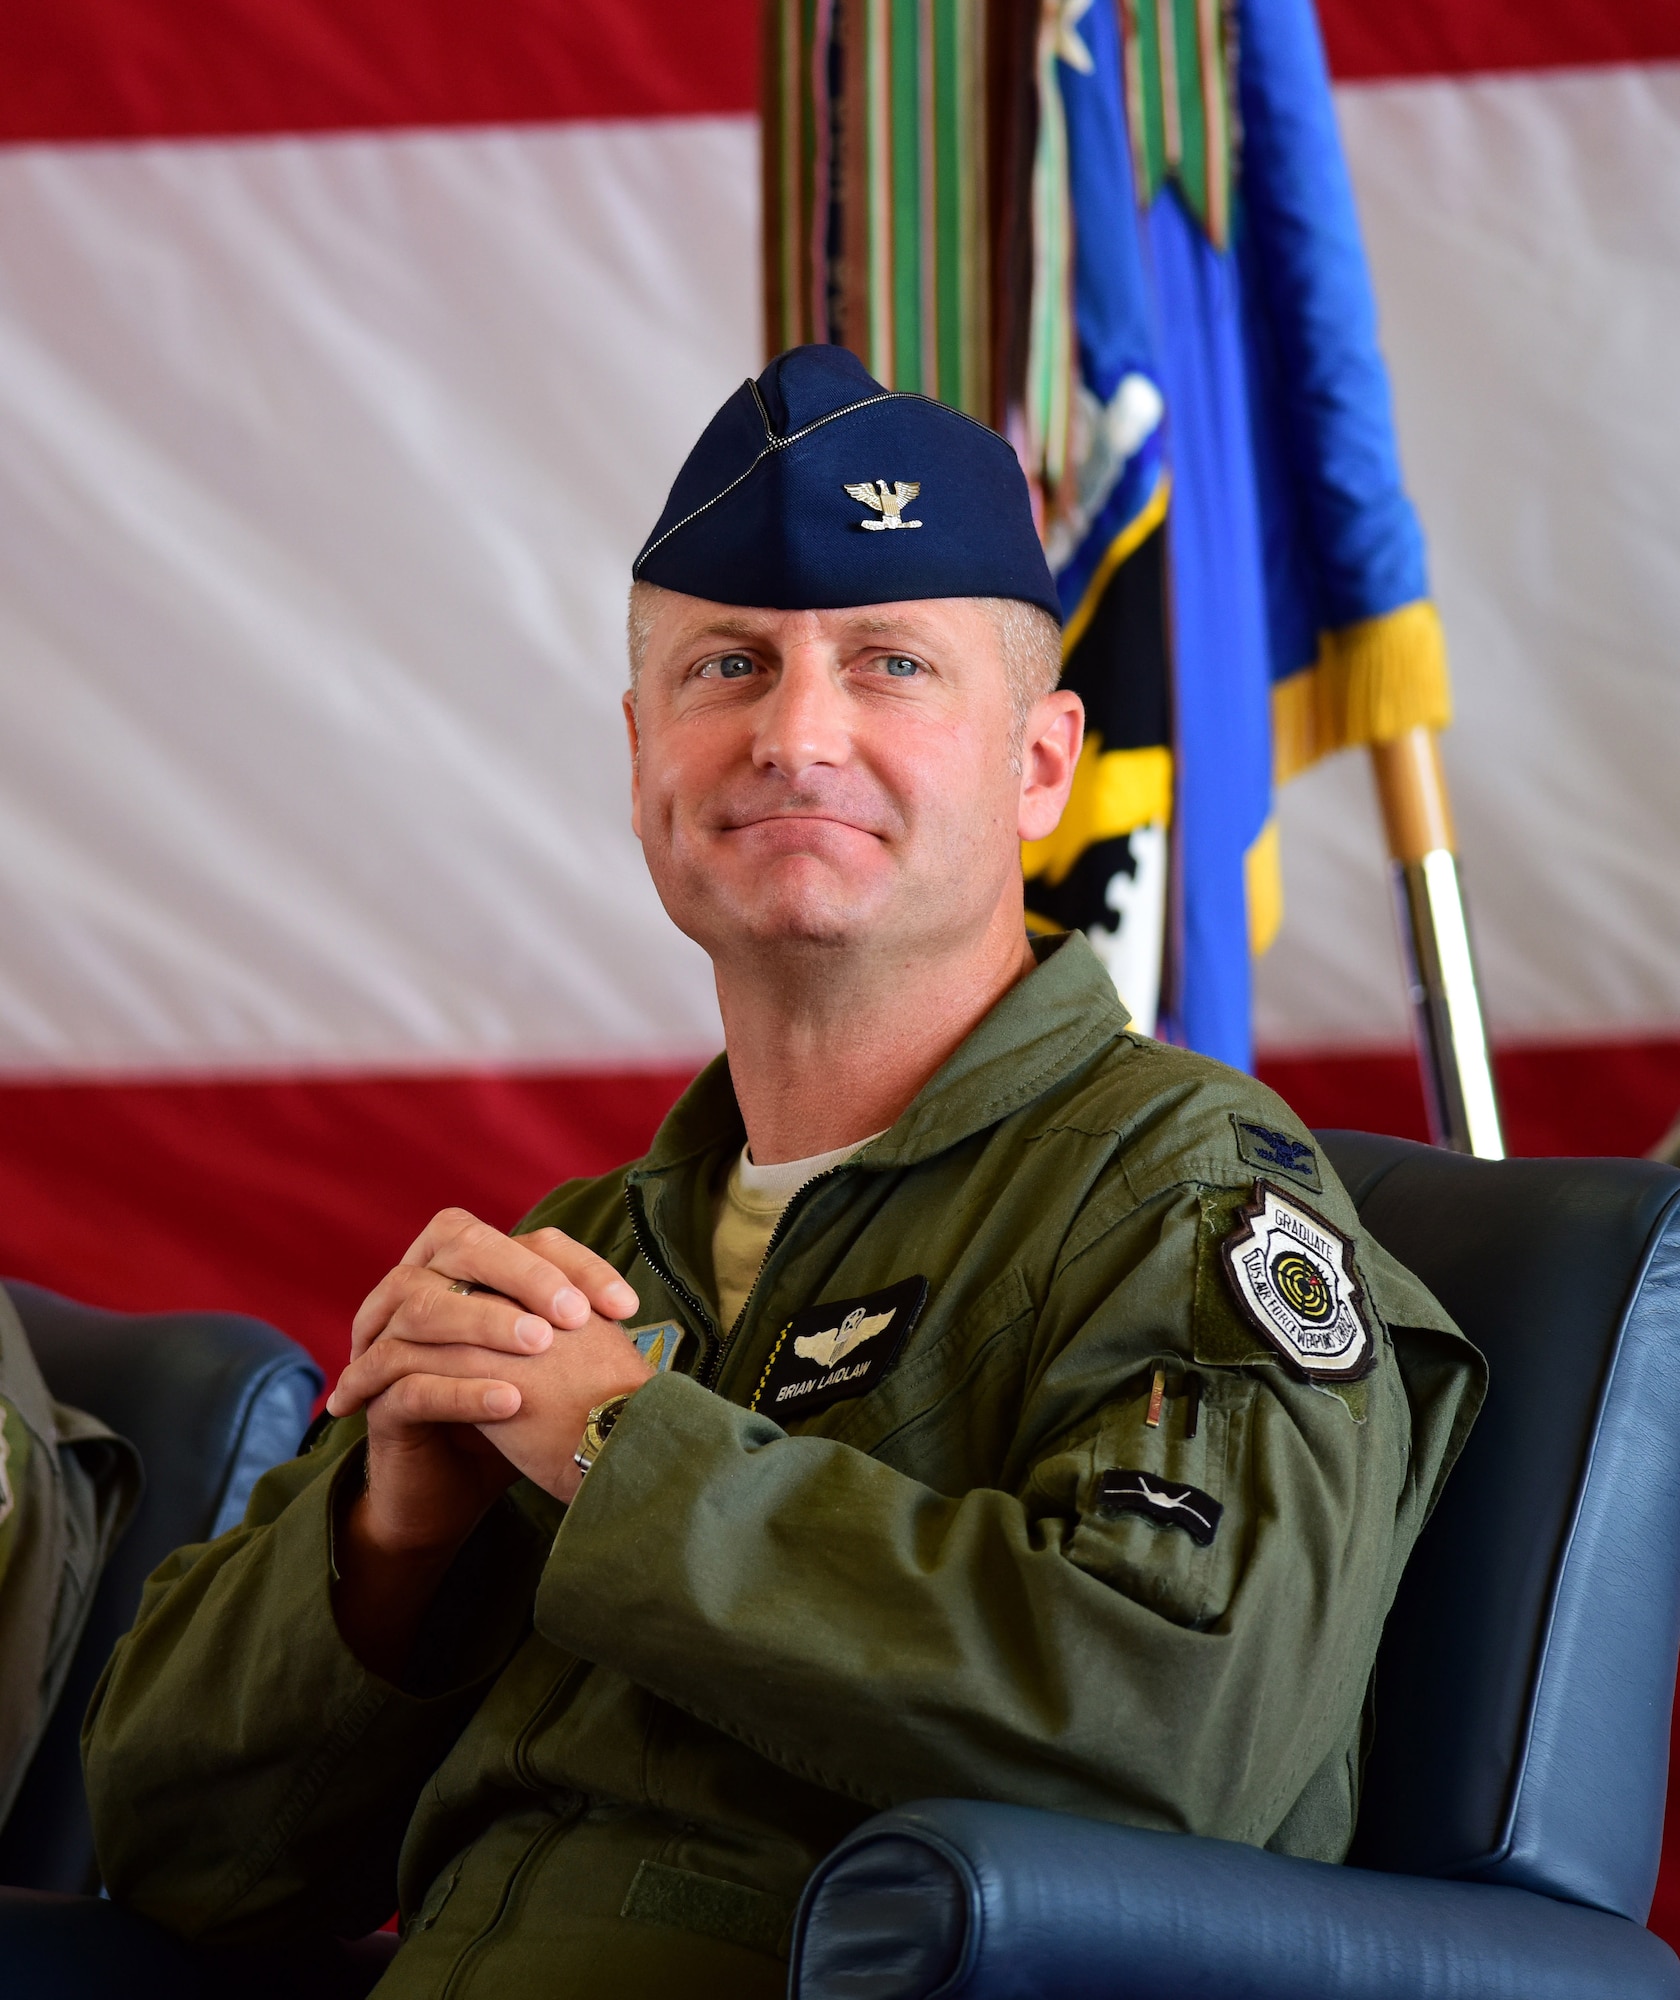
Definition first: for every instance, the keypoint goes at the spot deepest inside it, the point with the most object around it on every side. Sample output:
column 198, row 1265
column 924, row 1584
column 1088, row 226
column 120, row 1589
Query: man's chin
column 812, row 925
column 731, row 904
column 786, row 917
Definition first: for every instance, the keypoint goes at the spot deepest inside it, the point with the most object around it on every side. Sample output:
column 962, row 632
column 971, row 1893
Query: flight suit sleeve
column 247, row 1776
column 1035, row 1641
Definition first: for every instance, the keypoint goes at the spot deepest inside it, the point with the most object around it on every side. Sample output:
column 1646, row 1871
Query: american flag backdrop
column 345, row 355
column 347, row 348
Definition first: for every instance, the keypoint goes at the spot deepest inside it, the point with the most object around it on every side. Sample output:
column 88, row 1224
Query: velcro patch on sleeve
column 1164, row 1501
column 829, row 1352
column 1273, row 1152
column 1294, row 1280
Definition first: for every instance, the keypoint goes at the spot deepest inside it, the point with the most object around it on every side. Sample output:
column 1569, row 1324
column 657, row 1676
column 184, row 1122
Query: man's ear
column 635, row 765
column 1050, row 748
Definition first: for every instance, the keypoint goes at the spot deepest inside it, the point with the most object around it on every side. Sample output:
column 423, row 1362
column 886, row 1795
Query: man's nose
column 803, row 721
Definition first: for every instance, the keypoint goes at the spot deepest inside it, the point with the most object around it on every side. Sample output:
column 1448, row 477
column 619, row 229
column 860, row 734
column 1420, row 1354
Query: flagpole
column 1447, row 1020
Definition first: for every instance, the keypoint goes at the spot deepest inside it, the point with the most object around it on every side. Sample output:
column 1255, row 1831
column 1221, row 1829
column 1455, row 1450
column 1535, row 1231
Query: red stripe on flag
column 1569, row 1098
column 289, row 1200
column 1457, row 37
column 138, row 69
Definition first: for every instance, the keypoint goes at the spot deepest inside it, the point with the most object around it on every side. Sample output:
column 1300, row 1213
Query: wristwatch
column 597, row 1429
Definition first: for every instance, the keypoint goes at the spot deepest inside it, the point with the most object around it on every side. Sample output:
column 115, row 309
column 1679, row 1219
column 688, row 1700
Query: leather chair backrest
column 1526, row 1677
column 211, row 1401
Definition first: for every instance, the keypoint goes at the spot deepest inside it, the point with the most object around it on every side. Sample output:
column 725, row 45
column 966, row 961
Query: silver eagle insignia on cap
column 887, row 501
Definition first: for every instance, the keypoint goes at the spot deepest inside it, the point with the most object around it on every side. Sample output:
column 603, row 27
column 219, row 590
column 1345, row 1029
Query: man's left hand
column 557, row 1389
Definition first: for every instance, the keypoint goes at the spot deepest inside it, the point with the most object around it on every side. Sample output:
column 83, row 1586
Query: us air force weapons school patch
column 1294, row 1279
column 828, row 1352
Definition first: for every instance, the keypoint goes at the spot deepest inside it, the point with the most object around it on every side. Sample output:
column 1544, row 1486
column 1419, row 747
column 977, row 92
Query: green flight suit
column 631, row 1728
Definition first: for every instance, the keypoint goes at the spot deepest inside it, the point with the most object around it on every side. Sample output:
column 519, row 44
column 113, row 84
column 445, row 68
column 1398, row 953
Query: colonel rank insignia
column 1275, row 1152
column 828, row 1352
column 887, row 501
column 1294, row 1279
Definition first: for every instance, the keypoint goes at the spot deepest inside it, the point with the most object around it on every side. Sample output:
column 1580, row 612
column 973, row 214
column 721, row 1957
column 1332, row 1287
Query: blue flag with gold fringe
column 1215, row 255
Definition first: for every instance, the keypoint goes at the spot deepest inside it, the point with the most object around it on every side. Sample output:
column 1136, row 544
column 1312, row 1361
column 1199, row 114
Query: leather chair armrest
column 959, row 1900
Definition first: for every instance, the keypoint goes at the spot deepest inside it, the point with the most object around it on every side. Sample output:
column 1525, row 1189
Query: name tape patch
column 1163, row 1501
column 828, row 1352
column 1275, row 1152
column 659, row 1343
column 1294, row 1280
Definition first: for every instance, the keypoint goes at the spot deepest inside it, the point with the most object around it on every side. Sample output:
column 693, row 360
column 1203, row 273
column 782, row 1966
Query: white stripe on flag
column 1526, row 245
column 322, row 463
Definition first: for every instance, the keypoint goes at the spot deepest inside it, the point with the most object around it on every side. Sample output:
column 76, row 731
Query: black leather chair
column 211, row 1400
column 1512, row 1816
column 1513, row 1812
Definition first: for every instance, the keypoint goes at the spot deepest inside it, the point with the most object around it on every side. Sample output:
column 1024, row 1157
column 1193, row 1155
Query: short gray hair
column 1029, row 639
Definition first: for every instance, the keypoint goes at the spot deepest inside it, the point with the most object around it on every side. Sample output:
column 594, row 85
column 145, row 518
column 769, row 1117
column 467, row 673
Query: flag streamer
column 1121, row 232
column 877, row 220
column 1178, row 99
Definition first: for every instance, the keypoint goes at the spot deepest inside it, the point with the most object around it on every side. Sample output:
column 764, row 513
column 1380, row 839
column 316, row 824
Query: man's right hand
column 431, row 1474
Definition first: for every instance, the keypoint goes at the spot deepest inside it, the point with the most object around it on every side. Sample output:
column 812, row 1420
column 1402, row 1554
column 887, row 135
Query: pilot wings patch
column 828, row 1352
column 825, row 1349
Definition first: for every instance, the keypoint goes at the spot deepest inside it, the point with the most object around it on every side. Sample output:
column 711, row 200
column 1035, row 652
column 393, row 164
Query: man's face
column 836, row 779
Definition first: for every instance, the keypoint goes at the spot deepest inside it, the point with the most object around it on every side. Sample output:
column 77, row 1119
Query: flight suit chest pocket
column 955, row 1376
column 1165, row 1510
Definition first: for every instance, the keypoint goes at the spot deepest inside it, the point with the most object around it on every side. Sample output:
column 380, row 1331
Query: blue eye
column 901, row 666
column 732, row 667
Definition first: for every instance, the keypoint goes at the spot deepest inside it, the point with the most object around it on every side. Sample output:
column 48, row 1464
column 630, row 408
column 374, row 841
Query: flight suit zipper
column 707, row 1373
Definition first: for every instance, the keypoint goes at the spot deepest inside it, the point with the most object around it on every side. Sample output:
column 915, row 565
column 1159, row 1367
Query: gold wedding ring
column 467, row 1286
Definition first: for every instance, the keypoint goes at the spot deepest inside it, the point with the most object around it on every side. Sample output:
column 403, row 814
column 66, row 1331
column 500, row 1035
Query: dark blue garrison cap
column 814, row 488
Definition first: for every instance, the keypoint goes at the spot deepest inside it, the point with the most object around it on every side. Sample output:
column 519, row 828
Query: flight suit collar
column 1046, row 1026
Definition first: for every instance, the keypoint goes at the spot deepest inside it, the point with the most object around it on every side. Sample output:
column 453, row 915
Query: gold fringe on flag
column 1371, row 682
column 1263, row 889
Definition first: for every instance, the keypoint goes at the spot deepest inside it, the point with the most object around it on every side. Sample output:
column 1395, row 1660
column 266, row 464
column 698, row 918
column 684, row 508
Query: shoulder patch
column 1164, row 1501
column 658, row 1342
column 826, row 1353
column 1294, row 1279
column 1273, row 1152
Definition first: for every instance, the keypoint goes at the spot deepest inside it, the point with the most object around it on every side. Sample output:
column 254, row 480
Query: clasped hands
column 465, row 1391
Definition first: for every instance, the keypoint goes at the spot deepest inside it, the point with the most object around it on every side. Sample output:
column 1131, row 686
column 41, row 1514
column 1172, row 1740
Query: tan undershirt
column 748, row 1210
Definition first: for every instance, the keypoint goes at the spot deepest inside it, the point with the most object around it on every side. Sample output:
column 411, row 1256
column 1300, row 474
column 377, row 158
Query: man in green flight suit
column 966, row 1395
